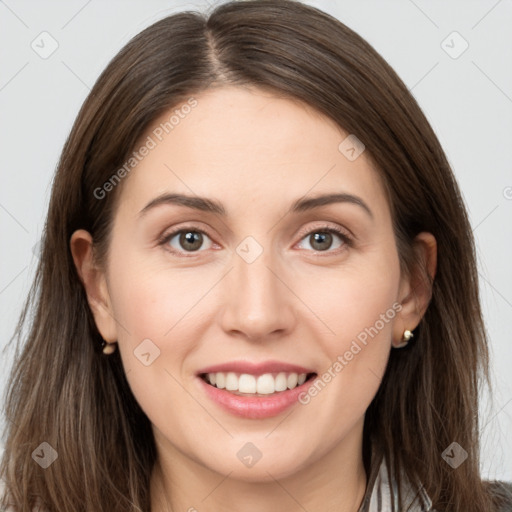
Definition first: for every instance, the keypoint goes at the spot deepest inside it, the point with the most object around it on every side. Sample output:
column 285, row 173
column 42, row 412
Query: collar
column 382, row 491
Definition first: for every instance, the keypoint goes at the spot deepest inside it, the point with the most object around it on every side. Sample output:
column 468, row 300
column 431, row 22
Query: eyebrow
column 212, row 206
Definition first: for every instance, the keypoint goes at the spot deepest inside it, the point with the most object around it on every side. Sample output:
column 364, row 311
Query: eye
column 186, row 240
column 191, row 240
column 322, row 239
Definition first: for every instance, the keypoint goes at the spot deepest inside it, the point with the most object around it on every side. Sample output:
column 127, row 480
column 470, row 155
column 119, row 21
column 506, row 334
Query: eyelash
column 345, row 238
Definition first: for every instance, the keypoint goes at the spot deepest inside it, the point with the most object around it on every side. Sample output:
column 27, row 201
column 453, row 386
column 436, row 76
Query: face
column 268, row 287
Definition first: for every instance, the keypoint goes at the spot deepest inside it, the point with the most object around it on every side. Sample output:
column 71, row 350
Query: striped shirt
column 382, row 492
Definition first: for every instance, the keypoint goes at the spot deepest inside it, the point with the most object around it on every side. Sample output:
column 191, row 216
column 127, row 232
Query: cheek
column 158, row 329
column 355, row 298
column 152, row 300
column 358, row 307
column 161, row 315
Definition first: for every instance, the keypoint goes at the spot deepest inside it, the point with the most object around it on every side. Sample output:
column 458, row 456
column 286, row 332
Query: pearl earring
column 407, row 335
column 108, row 348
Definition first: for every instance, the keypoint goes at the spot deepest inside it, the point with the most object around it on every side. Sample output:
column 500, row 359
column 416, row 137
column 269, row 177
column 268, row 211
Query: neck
column 335, row 482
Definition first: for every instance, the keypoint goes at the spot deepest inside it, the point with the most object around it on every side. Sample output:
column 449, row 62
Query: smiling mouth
column 245, row 384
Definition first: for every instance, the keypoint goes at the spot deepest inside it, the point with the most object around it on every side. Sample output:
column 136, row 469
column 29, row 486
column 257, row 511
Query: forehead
column 239, row 144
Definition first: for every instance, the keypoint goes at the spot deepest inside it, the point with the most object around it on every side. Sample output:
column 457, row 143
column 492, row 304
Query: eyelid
column 168, row 235
column 344, row 234
column 325, row 226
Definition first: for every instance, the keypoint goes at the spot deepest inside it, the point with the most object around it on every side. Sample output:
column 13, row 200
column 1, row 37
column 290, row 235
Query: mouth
column 255, row 390
column 249, row 385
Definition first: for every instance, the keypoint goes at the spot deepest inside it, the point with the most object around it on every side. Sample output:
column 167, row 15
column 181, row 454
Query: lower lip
column 253, row 407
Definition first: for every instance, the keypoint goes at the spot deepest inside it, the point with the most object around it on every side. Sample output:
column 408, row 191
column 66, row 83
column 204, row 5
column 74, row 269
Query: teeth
column 246, row 383
column 231, row 382
column 293, row 378
column 281, row 382
column 219, row 380
column 265, row 384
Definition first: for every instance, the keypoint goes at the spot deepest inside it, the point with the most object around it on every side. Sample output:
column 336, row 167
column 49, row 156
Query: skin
column 256, row 154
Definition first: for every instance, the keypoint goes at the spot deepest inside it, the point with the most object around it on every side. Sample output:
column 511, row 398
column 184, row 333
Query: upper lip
column 254, row 368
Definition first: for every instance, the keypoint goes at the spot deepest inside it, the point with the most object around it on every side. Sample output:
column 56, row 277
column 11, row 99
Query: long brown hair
column 63, row 391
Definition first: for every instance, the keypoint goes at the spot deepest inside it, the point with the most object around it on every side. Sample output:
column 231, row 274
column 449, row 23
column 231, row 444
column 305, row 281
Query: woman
column 257, row 288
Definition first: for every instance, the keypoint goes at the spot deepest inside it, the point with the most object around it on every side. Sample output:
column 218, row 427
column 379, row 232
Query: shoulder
column 501, row 493
column 382, row 492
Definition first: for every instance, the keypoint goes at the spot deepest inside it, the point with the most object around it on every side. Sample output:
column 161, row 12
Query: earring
column 108, row 348
column 407, row 335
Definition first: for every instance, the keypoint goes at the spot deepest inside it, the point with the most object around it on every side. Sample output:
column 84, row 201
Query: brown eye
column 320, row 241
column 324, row 239
column 186, row 240
column 191, row 240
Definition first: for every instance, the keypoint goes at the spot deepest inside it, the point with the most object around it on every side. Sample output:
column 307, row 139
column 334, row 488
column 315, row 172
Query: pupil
column 193, row 238
column 320, row 238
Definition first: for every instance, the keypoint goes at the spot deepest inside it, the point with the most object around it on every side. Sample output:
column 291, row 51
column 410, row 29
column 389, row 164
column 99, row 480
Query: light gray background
column 467, row 99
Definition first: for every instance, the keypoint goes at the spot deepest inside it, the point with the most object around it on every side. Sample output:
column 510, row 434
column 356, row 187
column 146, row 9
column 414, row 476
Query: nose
column 258, row 302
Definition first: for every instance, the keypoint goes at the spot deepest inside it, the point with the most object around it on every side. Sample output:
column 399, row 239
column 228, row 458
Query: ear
column 94, row 280
column 416, row 287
